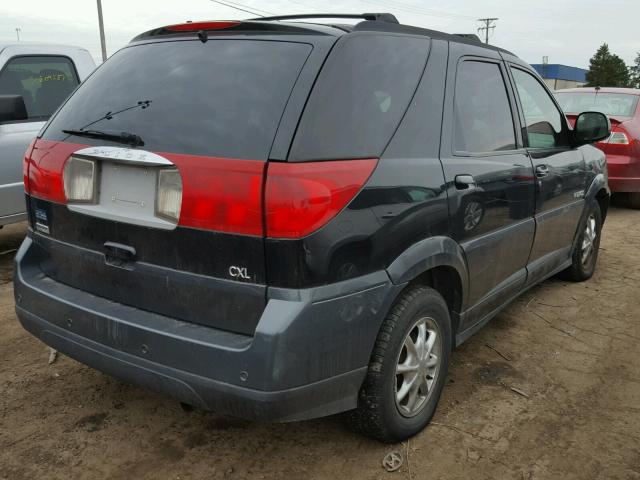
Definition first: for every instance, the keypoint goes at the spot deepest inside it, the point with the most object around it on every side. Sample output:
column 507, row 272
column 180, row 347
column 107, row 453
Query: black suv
column 282, row 220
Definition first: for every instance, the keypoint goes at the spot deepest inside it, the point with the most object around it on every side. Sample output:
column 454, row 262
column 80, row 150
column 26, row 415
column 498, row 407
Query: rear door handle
column 542, row 171
column 464, row 182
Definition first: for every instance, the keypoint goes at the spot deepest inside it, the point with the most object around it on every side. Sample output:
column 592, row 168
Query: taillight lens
column 25, row 164
column 80, row 180
column 618, row 138
column 169, row 194
column 218, row 194
column 302, row 197
column 221, row 194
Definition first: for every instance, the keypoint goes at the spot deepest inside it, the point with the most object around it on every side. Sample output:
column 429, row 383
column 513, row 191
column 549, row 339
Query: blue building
column 559, row 76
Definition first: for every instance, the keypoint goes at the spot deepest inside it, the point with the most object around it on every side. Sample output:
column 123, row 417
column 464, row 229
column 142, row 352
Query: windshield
column 618, row 104
column 220, row 98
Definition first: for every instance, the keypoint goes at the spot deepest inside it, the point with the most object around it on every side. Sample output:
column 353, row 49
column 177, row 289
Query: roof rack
column 469, row 36
column 380, row 17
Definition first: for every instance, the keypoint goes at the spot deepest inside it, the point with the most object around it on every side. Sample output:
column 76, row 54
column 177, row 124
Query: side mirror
column 591, row 127
column 12, row 108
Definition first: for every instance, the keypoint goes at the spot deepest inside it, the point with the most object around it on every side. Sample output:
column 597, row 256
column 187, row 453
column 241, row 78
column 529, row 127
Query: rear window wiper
column 122, row 137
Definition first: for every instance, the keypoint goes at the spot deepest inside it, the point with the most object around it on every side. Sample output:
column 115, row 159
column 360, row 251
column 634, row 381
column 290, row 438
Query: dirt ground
column 558, row 398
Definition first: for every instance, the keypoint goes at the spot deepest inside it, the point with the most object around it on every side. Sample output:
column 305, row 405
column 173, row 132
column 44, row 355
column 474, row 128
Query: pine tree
column 607, row 69
column 634, row 72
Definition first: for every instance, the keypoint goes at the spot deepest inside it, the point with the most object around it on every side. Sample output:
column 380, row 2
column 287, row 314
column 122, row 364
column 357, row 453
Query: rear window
column 43, row 81
column 360, row 96
column 220, row 98
column 617, row 104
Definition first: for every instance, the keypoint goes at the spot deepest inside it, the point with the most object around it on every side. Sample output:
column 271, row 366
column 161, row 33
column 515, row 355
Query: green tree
column 634, row 72
column 607, row 69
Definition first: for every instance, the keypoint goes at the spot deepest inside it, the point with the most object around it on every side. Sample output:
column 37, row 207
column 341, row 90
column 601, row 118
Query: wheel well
column 446, row 281
column 603, row 200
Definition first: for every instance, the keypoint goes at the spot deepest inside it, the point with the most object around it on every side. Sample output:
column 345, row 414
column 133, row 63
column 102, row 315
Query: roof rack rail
column 380, row 17
column 469, row 36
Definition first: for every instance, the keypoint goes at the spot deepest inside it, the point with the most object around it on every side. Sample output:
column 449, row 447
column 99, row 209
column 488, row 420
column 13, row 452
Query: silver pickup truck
column 34, row 81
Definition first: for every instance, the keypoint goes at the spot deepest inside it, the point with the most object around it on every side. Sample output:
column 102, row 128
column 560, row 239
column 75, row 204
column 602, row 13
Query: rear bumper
column 624, row 173
column 624, row 184
column 307, row 358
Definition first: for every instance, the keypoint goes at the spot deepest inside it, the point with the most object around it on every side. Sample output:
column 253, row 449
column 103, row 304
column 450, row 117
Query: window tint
column 219, row 98
column 420, row 194
column 483, row 119
column 542, row 117
column 360, row 96
column 44, row 82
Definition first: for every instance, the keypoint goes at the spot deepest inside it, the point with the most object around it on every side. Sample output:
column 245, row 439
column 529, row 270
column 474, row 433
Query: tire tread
column 368, row 419
column 576, row 272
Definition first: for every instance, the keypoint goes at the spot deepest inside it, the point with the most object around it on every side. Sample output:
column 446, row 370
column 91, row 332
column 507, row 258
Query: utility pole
column 18, row 30
column 489, row 24
column 103, row 45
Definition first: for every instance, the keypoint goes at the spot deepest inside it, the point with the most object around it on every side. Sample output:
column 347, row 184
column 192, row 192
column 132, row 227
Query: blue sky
column 567, row 31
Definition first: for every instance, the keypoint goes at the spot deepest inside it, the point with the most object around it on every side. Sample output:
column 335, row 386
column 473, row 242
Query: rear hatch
column 200, row 119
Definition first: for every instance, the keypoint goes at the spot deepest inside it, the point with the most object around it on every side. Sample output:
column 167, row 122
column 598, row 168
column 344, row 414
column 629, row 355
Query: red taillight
column 619, row 142
column 221, row 194
column 196, row 26
column 25, row 164
column 226, row 195
column 618, row 138
column 302, row 197
column 45, row 167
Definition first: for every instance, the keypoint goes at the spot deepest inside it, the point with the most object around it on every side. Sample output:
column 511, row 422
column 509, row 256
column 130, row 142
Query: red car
column 623, row 146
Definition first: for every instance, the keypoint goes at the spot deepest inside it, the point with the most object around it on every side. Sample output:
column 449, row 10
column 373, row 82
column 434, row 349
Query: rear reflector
column 196, row 26
column 302, row 197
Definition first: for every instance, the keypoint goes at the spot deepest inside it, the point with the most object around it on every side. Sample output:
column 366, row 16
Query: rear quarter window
column 221, row 98
column 360, row 97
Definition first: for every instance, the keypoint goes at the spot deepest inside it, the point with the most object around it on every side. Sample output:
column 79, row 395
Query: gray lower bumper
column 307, row 358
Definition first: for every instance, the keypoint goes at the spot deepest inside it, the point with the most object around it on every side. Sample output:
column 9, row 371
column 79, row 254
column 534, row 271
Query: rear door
column 44, row 82
column 489, row 177
column 560, row 174
column 209, row 111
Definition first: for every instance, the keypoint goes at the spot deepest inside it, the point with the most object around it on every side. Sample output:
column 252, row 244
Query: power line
column 237, row 8
column 253, row 8
column 489, row 24
column 427, row 11
column 403, row 7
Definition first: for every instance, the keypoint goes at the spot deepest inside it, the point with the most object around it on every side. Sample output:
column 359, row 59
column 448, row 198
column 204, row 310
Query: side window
column 43, row 81
column 483, row 119
column 543, row 119
column 360, row 96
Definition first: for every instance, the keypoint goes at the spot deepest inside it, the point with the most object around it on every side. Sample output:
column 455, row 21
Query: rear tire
column 585, row 254
column 407, row 370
